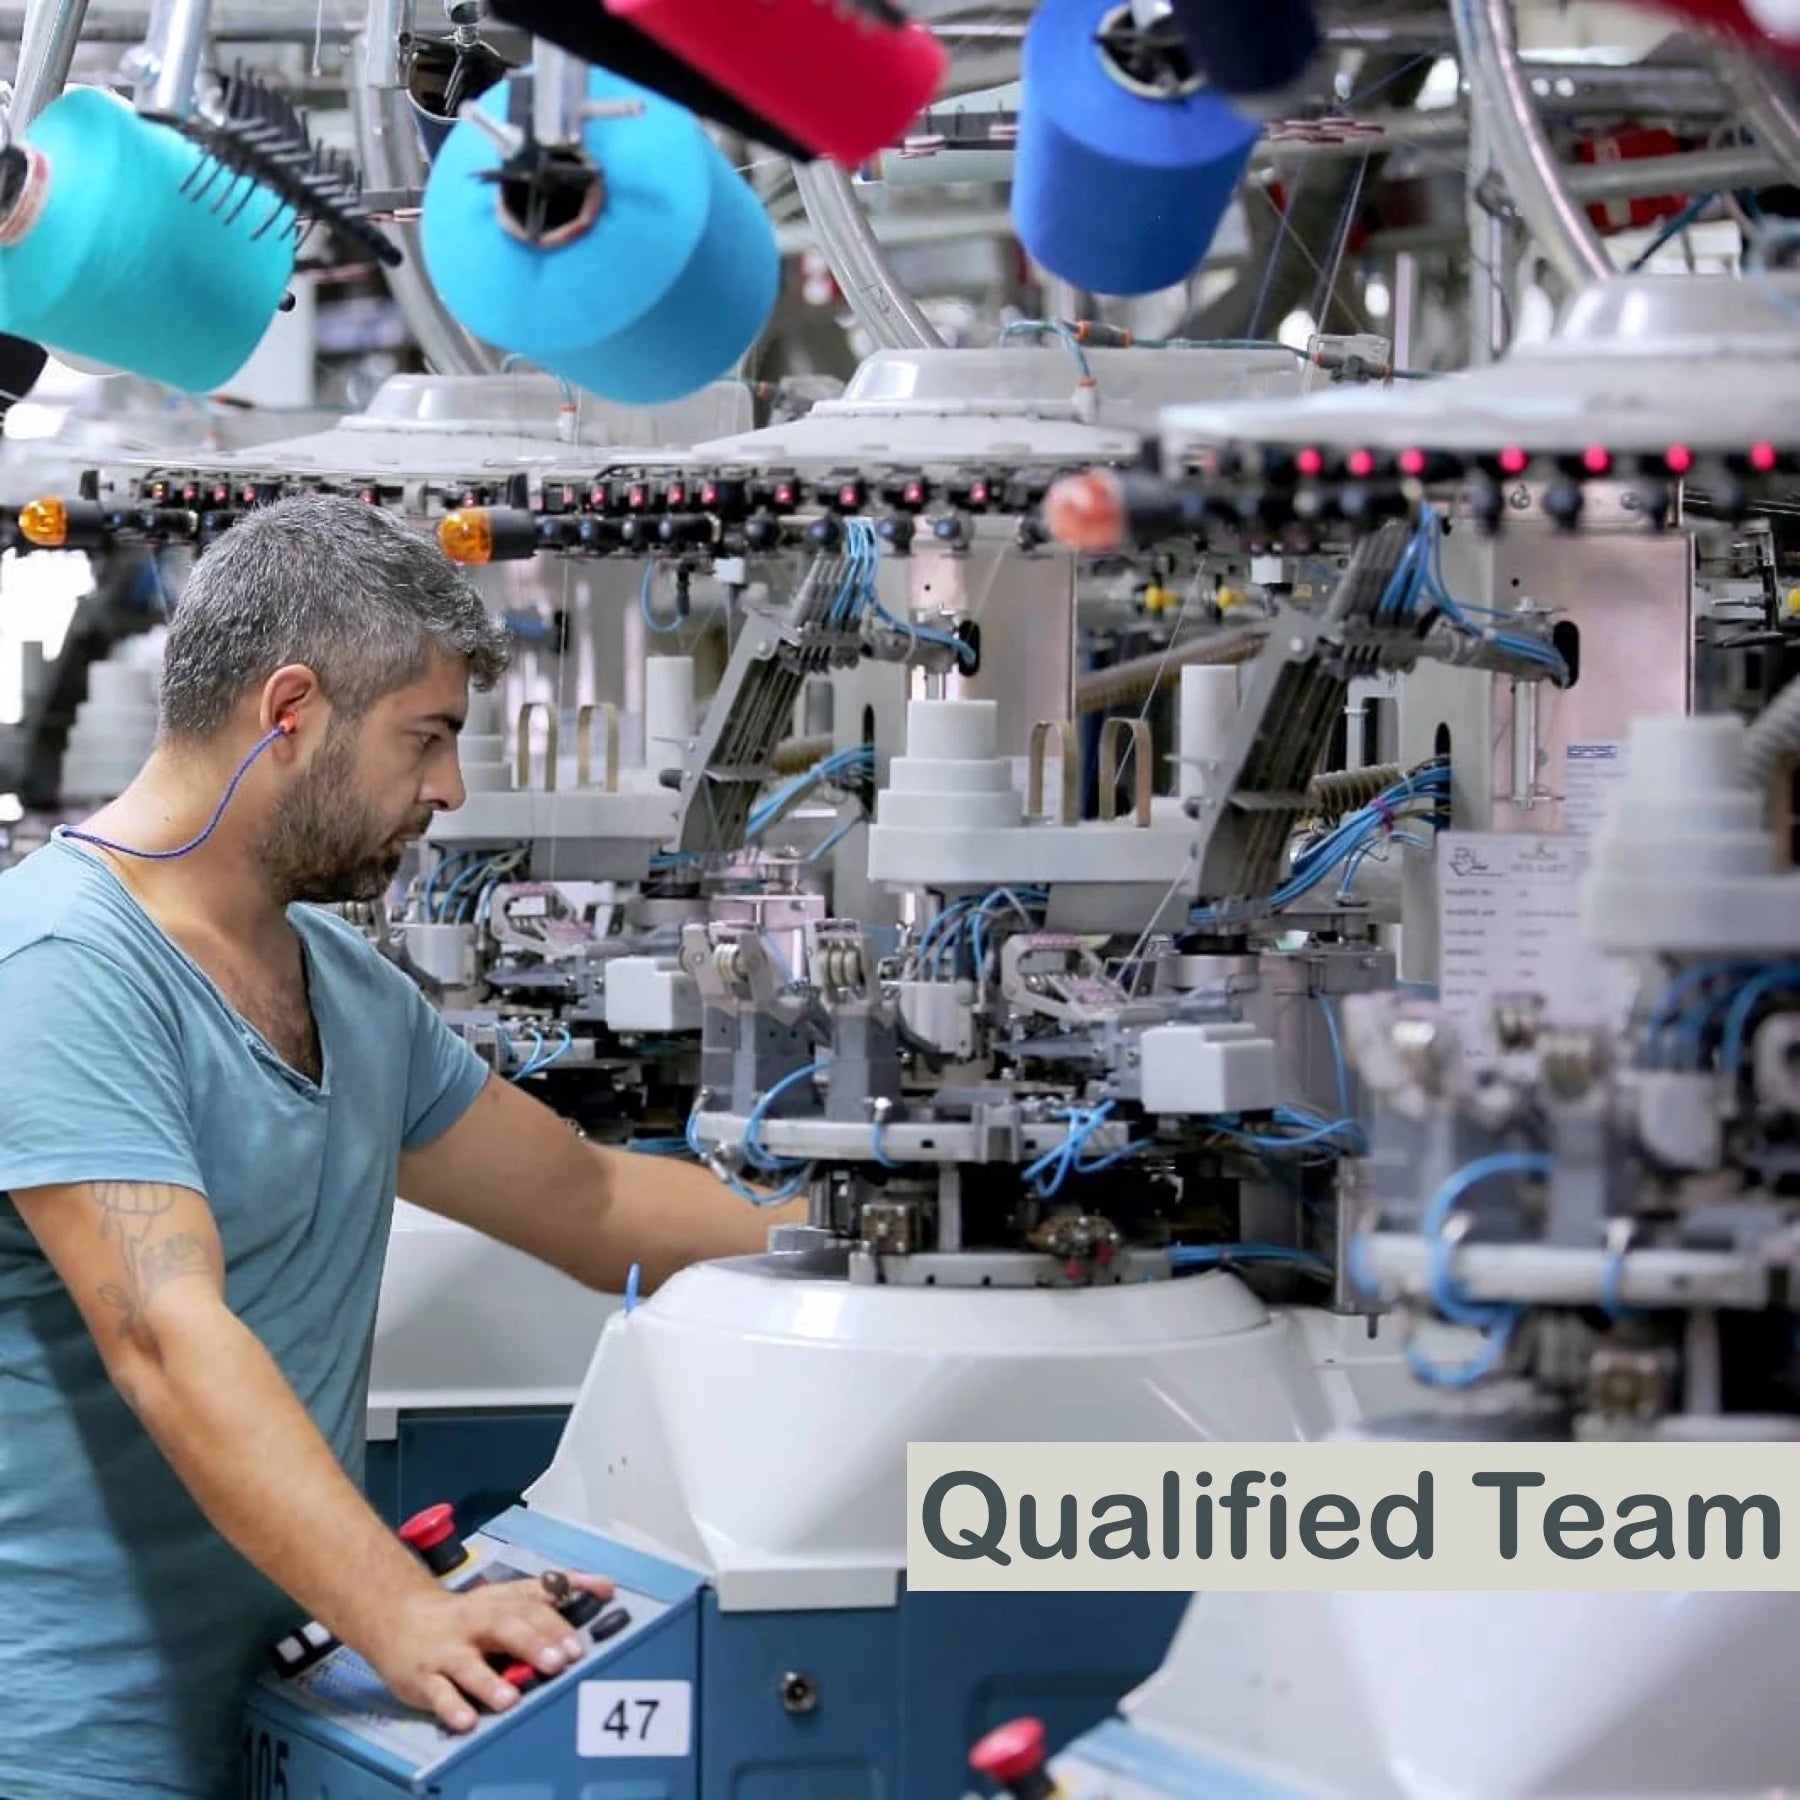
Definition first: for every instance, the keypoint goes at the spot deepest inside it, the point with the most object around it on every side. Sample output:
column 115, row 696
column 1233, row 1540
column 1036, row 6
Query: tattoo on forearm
column 130, row 1214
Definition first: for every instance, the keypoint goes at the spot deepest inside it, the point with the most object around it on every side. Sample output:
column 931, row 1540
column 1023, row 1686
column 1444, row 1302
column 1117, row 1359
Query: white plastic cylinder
column 1682, row 862
column 1209, row 703
column 1683, row 806
column 989, row 776
column 952, row 730
column 668, row 709
column 1685, row 755
column 953, row 811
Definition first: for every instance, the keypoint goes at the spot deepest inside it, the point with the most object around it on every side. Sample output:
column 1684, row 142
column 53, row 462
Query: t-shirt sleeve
column 96, row 1081
column 443, row 1076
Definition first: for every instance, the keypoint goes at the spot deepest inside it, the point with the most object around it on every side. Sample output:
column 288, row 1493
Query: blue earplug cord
column 89, row 837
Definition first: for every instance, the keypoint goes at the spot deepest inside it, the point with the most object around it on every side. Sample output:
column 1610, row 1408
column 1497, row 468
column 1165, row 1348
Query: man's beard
column 325, row 843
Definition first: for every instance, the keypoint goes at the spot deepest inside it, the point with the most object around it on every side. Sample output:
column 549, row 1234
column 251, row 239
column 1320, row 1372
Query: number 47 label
column 634, row 1718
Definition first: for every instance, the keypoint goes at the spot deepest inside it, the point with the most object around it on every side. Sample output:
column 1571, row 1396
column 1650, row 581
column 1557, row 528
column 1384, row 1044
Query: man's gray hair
column 352, row 592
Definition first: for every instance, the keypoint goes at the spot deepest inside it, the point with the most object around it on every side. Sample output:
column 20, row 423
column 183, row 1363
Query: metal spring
column 1345, row 790
column 794, row 755
column 840, row 966
column 1127, row 683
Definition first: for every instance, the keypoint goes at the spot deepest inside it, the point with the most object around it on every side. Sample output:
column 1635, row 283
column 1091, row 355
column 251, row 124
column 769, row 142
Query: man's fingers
column 596, row 1585
column 538, row 1637
column 537, row 1606
column 467, row 1667
column 454, row 1713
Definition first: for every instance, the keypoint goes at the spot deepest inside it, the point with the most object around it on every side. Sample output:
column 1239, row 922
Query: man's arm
column 143, row 1263
column 511, row 1168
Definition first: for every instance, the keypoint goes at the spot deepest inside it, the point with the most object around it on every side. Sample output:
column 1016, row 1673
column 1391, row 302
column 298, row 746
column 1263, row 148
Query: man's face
column 342, row 825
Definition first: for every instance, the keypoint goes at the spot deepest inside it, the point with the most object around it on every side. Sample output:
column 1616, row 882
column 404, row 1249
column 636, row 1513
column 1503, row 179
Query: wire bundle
column 470, row 890
column 543, row 1057
column 795, row 1170
column 1214, row 1256
column 1423, row 794
column 1416, row 589
column 1496, row 1320
column 1681, row 1025
column 850, row 766
column 1046, row 1175
column 857, row 599
column 1300, row 1131
column 963, row 925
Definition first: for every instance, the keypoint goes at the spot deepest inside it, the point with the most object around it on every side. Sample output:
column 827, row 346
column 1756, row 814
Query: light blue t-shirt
column 128, row 1627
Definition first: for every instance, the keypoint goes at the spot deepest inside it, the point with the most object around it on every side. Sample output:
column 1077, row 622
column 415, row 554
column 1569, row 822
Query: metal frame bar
column 387, row 148
column 170, row 57
column 1507, row 114
column 46, row 53
column 882, row 306
column 1772, row 112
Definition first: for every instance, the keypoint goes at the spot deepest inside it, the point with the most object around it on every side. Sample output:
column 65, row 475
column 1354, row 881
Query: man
column 209, row 1092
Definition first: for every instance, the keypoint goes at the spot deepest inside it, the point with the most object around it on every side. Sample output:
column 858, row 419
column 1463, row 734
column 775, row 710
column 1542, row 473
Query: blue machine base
column 888, row 1702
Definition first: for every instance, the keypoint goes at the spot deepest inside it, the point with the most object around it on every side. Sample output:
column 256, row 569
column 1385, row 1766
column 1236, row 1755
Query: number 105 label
column 634, row 1718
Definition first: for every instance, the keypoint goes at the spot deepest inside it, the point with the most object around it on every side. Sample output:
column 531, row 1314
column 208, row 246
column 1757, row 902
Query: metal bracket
column 1069, row 798
column 745, row 979
column 522, row 746
column 1143, row 771
column 584, row 745
column 1058, row 975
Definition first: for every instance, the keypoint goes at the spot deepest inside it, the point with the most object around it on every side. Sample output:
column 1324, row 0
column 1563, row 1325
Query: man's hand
column 434, row 1655
column 143, row 1263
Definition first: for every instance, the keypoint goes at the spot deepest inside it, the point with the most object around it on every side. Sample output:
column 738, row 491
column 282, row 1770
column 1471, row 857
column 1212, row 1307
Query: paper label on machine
column 634, row 1718
column 1591, row 772
column 1509, row 926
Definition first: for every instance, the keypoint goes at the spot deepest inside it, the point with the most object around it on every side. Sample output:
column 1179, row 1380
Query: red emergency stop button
column 1013, row 1755
column 433, row 1534
column 426, row 1530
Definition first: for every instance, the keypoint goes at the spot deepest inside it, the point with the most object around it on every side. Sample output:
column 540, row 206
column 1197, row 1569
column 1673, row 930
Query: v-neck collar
column 253, row 1038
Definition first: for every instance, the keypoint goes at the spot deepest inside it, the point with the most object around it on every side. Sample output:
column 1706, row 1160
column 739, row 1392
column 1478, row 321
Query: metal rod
column 933, row 227
column 882, row 307
column 171, row 57
column 1694, row 171
column 46, row 52
column 1525, row 744
column 1494, row 281
column 1768, row 107
column 558, row 88
column 1488, row 52
column 1404, row 306
column 387, row 147
column 1560, row 87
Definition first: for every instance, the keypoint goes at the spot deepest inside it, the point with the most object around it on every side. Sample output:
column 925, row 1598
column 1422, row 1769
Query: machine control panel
column 332, row 1682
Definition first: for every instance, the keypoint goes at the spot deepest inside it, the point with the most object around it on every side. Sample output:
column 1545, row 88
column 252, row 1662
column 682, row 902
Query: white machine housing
column 752, row 1419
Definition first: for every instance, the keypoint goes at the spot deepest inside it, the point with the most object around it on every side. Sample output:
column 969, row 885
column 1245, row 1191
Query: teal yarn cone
column 660, row 292
column 104, row 257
